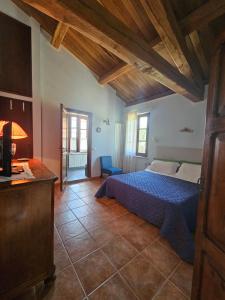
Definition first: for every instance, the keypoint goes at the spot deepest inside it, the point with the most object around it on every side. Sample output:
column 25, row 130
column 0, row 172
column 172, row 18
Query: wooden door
column 209, row 269
column 87, row 115
column 64, row 146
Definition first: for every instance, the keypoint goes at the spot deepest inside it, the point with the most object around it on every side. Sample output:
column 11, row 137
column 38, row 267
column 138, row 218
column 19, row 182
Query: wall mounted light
column 186, row 129
column 107, row 122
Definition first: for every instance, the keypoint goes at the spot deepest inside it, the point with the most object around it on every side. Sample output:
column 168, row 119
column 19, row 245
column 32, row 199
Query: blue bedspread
column 167, row 202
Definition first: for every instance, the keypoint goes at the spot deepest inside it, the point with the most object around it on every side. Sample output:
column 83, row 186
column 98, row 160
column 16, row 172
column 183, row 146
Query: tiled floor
column 76, row 174
column 104, row 252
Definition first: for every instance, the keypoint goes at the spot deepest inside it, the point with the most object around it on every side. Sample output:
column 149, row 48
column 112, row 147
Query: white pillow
column 164, row 167
column 189, row 172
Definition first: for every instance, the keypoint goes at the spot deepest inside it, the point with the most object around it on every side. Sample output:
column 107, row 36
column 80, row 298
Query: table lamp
column 17, row 133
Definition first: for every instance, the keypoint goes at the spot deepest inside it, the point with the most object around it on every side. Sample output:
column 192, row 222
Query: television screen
column 5, row 148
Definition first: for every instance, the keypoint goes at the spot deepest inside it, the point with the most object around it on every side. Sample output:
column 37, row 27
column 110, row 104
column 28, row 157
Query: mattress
column 167, row 202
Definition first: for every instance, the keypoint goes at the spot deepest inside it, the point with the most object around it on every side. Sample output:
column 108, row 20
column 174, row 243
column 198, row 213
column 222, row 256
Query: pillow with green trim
column 189, row 172
column 164, row 167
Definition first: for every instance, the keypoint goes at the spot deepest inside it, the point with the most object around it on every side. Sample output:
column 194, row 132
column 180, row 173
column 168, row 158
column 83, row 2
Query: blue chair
column 106, row 166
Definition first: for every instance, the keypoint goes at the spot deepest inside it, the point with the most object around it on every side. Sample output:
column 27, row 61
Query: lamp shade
column 17, row 131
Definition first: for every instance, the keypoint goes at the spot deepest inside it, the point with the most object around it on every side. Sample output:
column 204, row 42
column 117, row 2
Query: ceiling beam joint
column 59, row 34
column 115, row 72
column 164, row 20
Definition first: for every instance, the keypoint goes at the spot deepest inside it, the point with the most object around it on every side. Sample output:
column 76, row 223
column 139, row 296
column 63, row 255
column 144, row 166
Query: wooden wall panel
column 220, row 109
column 15, row 57
column 216, row 209
column 213, row 282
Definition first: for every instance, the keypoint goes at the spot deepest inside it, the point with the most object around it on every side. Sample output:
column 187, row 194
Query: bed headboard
column 179, row 154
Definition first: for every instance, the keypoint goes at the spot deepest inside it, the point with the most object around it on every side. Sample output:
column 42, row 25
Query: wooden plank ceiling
column 144, row 49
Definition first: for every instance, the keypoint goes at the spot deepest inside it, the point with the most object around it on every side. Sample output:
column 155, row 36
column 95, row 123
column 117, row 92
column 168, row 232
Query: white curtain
column 119, row 145
column 129, row 161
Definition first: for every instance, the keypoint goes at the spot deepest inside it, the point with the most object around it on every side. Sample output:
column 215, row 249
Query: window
column 73, row 134
column 142, row 134
column 78, row 133
column 83, row 135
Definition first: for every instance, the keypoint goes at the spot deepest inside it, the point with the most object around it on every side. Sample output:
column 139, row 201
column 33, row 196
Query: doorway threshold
column 78, row 180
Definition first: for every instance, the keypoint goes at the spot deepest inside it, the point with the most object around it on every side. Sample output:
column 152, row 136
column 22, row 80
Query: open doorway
column 76, row 145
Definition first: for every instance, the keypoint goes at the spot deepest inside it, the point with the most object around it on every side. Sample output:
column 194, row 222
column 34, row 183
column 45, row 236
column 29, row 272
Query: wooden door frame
column 61, row 146
column 89, row 152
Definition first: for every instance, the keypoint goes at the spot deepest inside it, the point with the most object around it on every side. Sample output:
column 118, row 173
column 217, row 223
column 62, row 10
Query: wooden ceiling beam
column 198, row 18
column 152, row 97
column 95, row 22
column 59, row 34
column 203, row 15
column 163, row 19
column 137, row 16
column 124, row 68
column 200, row 53
column 195, row 20
column 47, row 23
column 114, row 73
column 70, row 43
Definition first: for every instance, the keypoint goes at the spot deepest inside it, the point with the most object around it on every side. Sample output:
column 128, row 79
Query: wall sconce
column 186, row 129
column 107, row 122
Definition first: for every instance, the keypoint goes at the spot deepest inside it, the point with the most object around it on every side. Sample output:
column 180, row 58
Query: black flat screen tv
column 6, row 150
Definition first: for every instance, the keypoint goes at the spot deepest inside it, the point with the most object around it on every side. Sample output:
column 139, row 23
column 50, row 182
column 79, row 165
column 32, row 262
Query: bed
column 167, row 202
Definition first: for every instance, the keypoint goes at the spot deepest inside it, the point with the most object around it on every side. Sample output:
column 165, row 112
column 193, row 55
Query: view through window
column 78, row 133
column 142, row 134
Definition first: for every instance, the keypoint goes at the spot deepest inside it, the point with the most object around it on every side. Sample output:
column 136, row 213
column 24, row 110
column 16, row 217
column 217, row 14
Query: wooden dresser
column 26, row 231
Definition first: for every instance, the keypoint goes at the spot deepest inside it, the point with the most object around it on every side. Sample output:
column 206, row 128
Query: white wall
column 168, row 115
column 65, row 80
column 9, row 8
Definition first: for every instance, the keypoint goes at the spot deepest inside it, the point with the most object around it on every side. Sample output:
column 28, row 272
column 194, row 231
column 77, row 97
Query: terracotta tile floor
column 103, row 252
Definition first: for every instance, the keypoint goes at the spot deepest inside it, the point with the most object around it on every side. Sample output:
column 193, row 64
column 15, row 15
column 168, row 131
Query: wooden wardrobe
column 209, row 269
